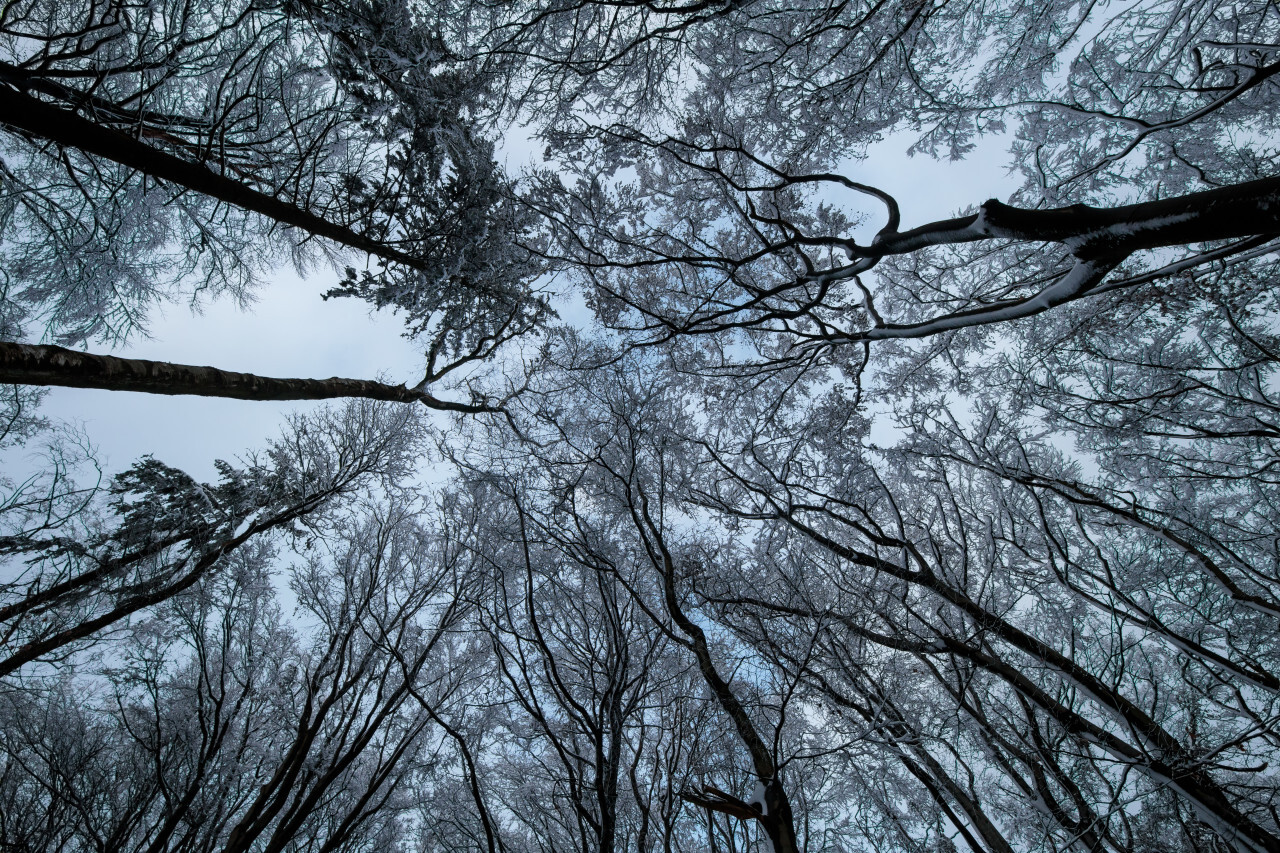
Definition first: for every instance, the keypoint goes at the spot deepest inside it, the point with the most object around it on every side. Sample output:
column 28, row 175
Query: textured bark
column 1227, row 213
column 42, row 364
column 38, row 118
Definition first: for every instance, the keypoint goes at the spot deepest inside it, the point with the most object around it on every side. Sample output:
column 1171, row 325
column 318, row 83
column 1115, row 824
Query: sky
column 291, row 332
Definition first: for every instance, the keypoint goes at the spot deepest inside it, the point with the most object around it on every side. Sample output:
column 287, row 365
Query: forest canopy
column 730, row 507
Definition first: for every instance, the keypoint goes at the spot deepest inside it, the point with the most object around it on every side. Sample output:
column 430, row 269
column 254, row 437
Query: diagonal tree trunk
column 43, row 364
column 30, row 115
column 776, row 817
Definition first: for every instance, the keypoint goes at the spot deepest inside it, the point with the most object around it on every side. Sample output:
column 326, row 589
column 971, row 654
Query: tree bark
column 1225, row 213
column 38, row 118
column 43, row 364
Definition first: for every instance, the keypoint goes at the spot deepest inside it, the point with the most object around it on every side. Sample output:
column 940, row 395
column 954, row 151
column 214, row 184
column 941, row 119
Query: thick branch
column 1226, row 213
column 1098, row 238
column 1083, row 278
column 38, row 118
column 41, row 364
column 716, row 800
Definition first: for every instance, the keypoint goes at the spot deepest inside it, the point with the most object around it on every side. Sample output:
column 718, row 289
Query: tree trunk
column 42, row 364
column 38, row 118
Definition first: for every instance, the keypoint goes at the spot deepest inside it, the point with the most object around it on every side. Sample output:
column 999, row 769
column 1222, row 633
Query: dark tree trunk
column 1226, row 213
column 37, row 118
column 42, row 364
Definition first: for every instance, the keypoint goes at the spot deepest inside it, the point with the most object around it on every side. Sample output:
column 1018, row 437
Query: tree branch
column 42, row 364
column 30, row 115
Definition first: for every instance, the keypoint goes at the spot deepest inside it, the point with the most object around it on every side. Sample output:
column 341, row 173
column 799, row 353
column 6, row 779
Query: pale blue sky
column 290, row 331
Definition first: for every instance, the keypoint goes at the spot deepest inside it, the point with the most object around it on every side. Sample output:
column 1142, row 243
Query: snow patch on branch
column 1075, row 282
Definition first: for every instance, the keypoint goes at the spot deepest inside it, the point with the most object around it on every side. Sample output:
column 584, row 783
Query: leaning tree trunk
column 42, row 364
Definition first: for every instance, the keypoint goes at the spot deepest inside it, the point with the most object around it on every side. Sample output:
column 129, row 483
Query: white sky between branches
column 291, row 332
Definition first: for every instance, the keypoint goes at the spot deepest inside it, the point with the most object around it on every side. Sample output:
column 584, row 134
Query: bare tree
column 735, row 211
column 224, row 728
column 85, row 558
column 1012, row 638
column 843, row 533
column 167, row 149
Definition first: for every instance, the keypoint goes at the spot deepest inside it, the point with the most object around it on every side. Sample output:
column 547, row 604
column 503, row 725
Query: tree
column 85, row 558
column 933, row 578
column 227, row 726
column 834, row 533
column 605, row 478
column 163, row 149
column 730, row 211
column 992, row 339
column 586, row 679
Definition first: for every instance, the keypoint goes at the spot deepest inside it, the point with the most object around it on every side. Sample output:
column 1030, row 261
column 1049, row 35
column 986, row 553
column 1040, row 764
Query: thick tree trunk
column 1098, row 240
column 42, row 364
column 1226, row 213
column 40, row 119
